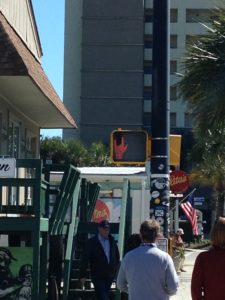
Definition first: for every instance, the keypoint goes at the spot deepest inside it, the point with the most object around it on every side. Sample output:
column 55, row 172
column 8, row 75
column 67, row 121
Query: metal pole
column 184, row 198
column 159, row 207
column 176, row 215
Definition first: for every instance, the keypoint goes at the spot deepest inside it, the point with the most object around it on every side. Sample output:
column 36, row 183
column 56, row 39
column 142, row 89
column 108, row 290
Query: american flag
column 190, row 214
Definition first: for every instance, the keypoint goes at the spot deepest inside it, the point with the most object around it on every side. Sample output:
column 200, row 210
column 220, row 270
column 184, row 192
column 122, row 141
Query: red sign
column 101, row 212
column 179, row 182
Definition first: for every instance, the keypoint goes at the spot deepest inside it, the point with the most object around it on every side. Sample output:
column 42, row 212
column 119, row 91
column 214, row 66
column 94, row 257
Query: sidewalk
column 184, row 291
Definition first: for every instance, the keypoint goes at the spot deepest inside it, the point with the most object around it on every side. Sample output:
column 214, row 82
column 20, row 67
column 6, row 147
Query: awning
column 24, row 84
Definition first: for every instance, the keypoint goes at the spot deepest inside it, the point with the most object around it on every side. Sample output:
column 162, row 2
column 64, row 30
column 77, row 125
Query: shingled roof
column 17, row 60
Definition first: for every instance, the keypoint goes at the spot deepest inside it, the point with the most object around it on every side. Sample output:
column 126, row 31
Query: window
column 1, row 123
column 147, row 67
column 173, row 15
column 3, row 134
column 33, row 143
column 13, row 140
column 173, row 41
column 199, row 15
column 173, row 93
column 148, row 15
column 192, row 39
column 148, row 40
column 147, row 119
column 30, row 144
column 173, row 121
column 173, row 66
column 147, row 93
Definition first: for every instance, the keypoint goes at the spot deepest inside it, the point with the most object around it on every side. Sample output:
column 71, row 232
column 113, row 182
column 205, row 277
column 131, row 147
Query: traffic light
column 133, row 147
column 129, row 146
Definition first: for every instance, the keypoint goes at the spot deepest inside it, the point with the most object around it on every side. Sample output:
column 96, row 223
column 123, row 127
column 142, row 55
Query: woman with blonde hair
column 208, row 277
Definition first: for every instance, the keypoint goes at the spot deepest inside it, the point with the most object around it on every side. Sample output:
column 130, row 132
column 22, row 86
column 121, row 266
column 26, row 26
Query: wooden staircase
column 52, row 216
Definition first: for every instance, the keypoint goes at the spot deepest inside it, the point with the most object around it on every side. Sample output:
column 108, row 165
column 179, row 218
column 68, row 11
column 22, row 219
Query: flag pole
column 184, row 198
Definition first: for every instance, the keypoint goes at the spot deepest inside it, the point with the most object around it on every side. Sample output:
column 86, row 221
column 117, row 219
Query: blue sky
column 50, row 22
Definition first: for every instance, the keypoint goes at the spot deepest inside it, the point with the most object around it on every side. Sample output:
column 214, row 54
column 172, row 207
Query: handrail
column 94, row 189
column 123, row 216
column 70, row 176
column 70, row 240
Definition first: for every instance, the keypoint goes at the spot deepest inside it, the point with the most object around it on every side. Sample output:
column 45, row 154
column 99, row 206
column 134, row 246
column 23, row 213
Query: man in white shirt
column 147, row 273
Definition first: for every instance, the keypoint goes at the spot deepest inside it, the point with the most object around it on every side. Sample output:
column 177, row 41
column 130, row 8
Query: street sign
column 7, row 167
column 199, row 201
column 162, row 244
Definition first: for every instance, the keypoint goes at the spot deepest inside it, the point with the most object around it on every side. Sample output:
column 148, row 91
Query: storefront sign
column 7, row 167
column 107, row 208
column 101, row 212
column 179, row 182
column 199, row 201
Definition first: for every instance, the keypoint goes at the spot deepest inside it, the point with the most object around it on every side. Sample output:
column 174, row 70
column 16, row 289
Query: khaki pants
column 181, row 263
column 178, row 260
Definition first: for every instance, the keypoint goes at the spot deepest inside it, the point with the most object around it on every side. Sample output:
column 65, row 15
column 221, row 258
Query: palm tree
column 203, row 88
column 208, row 158
column 74, row 152
column 53, row 148
column 98, row 155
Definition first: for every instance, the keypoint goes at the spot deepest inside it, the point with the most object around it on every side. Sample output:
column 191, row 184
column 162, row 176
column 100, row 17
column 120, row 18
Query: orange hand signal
column 119, row 149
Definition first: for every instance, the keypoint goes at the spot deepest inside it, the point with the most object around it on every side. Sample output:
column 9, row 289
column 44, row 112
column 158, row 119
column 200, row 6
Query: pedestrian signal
column 129, row 147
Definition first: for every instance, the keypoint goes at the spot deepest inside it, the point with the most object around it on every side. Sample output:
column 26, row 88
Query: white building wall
column 181, row 28
column 140, row 205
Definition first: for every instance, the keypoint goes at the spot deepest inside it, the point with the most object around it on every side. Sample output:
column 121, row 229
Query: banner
column 107, row 208
column 16, row 273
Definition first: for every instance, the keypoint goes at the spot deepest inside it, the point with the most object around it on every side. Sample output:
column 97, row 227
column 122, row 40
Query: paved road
column 184, row 292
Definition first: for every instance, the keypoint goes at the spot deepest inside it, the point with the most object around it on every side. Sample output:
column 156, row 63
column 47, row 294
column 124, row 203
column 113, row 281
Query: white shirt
column 105, row 245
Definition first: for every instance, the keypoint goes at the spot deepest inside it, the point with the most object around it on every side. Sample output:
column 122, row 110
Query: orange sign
column 179, row 182
column 101, row 212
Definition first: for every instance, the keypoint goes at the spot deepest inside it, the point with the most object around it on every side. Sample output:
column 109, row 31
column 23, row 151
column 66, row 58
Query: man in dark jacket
column 102, row 255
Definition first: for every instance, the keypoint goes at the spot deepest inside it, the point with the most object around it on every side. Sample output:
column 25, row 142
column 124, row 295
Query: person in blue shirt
column 148, row 273
column 101, row 254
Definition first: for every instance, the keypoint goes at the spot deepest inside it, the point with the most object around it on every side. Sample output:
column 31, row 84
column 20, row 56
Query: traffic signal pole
column 159, row 204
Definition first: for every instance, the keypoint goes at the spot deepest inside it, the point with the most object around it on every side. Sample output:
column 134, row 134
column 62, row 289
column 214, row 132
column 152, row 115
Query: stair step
column 87, row 294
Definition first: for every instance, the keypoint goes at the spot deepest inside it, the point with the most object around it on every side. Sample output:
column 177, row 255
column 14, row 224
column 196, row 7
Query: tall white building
column 185, row 27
